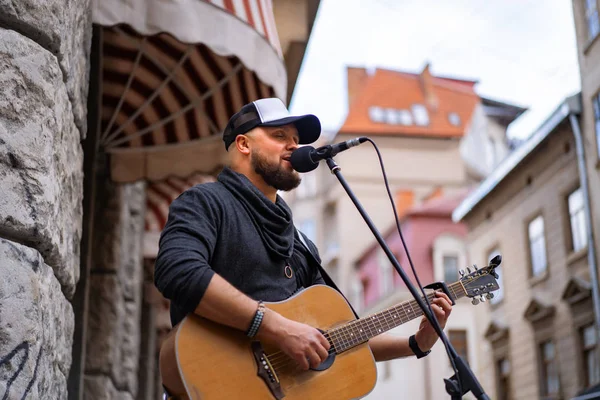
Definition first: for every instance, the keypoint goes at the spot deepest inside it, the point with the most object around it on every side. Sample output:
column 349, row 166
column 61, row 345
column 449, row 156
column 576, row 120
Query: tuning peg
column 474, row 301
column 461, row 272
column 475, row 266
column 482, row 298
column 490, row 296
column 495, row 275
column 468, row 270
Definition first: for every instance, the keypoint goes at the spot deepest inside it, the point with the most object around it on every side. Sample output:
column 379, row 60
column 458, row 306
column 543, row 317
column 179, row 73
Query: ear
column 242, row 144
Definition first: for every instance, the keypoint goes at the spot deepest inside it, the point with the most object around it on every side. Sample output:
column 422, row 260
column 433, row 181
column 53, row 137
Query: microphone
column 306, row 158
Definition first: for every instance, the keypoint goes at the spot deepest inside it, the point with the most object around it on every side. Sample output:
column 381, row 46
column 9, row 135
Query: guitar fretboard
column 361, row 330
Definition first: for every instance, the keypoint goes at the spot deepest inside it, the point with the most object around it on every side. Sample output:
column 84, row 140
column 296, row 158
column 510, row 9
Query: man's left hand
column 426, row 336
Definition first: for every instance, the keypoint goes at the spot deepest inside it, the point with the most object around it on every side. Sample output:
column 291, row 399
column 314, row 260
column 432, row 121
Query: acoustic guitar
column 201, row 359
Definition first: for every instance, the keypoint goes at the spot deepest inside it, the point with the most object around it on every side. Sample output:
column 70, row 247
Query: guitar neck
column 359, row 331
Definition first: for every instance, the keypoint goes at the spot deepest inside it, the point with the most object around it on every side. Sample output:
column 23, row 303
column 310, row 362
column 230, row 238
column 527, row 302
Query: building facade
column 537, row 337
column 587, row 31
column 438, row 250
column 105, row 108
column 431, row 139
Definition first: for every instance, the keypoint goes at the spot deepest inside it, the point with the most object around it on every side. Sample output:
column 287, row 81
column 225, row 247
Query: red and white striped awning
column 173, row 72
column 159, row 196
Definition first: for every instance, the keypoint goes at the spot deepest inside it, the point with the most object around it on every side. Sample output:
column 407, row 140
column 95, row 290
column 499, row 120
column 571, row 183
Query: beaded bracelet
column 258, row 317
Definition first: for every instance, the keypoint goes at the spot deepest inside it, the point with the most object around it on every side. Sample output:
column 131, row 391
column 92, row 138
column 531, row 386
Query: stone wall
column 116, row 290
column 44, row 50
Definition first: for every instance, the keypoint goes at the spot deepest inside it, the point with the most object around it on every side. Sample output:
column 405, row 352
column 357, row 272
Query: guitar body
column 204, row 360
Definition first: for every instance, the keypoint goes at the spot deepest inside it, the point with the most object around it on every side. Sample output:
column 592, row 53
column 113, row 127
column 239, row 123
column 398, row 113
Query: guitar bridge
column 265, row 370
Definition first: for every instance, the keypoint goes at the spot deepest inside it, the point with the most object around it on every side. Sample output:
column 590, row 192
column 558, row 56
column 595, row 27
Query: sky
column 520, row 51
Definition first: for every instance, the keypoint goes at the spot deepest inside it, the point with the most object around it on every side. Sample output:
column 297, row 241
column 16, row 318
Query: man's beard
column 274, row 174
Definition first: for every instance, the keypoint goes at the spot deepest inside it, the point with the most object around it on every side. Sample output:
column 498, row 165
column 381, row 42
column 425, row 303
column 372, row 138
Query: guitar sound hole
column 325, row 364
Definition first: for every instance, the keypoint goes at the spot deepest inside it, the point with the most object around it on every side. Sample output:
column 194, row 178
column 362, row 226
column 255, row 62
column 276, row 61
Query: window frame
column 543, row 369
column 583, row 350
column 386, row 274
column 596, row 114
column 544, row 273
column 455, row 256
column 500, row 377
column 452, row 340
column 587, row 14
column 420, row 114
column 572, row 248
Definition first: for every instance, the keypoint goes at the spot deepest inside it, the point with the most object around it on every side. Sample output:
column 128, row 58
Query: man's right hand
column 303, row 343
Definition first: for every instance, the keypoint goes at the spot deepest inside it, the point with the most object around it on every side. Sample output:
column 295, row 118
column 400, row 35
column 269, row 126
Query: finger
column 313, row 358
column 443, row 303
column 438, row 311
column 302, row 361
column 322, row 352
column 324, row 342
column 440, row 294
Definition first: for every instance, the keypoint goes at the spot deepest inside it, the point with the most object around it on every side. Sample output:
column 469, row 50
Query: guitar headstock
column 481, row 282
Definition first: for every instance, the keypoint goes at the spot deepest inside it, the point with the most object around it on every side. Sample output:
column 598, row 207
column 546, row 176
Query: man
column 229, row 245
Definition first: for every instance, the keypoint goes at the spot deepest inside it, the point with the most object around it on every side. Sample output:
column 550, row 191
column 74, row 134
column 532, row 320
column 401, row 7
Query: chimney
column 357, row 77
column 405, row 199
column 431, row 99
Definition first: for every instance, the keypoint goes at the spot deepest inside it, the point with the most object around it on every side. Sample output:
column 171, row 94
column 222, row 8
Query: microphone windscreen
column 301, row 160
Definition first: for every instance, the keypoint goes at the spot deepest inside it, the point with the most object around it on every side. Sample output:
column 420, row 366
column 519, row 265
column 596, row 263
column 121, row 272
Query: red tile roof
column 388, row 92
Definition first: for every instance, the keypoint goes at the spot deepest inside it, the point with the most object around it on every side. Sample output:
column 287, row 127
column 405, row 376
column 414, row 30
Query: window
column 503, row 378
column 591, row 367
column 405, row 117
column 391, row 116
column 386, row 279
column 577, row 219
column 537, row 246
column 591, row 16
column 330, row 234
column 450, row 268
column 498, row 294
column 458, row 338
column 308, row 227
column 376, row 114
column 548, row 369
column 454, row 119
column 420, row 114
column 596, row 104
column 490, row 148
column 308, row 186
column 357, row 293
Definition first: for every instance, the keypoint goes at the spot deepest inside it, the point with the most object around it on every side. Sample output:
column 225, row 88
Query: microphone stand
column 465, row 377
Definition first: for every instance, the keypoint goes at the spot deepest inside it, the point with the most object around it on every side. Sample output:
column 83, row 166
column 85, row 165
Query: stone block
column 36, row 327
column 113, row 342
column 105, row 324
column 134, row 196
column 126, row 373
column 102, row 388
column 64, row 28
column 41, row 159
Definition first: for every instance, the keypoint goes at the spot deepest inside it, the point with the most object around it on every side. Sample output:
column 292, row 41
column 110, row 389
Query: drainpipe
column 583, row 178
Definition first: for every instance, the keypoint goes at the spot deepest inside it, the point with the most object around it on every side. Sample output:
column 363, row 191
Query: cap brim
column 308, row 126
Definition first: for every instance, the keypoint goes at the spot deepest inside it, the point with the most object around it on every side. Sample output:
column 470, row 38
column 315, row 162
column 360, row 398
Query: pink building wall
column 420, row 233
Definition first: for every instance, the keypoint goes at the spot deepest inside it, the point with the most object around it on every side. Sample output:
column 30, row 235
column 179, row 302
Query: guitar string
column 280, row 360
column 364, row 323
column 373, row 324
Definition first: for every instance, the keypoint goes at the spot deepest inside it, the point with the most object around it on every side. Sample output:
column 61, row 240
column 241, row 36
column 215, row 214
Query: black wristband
column 414, row 346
